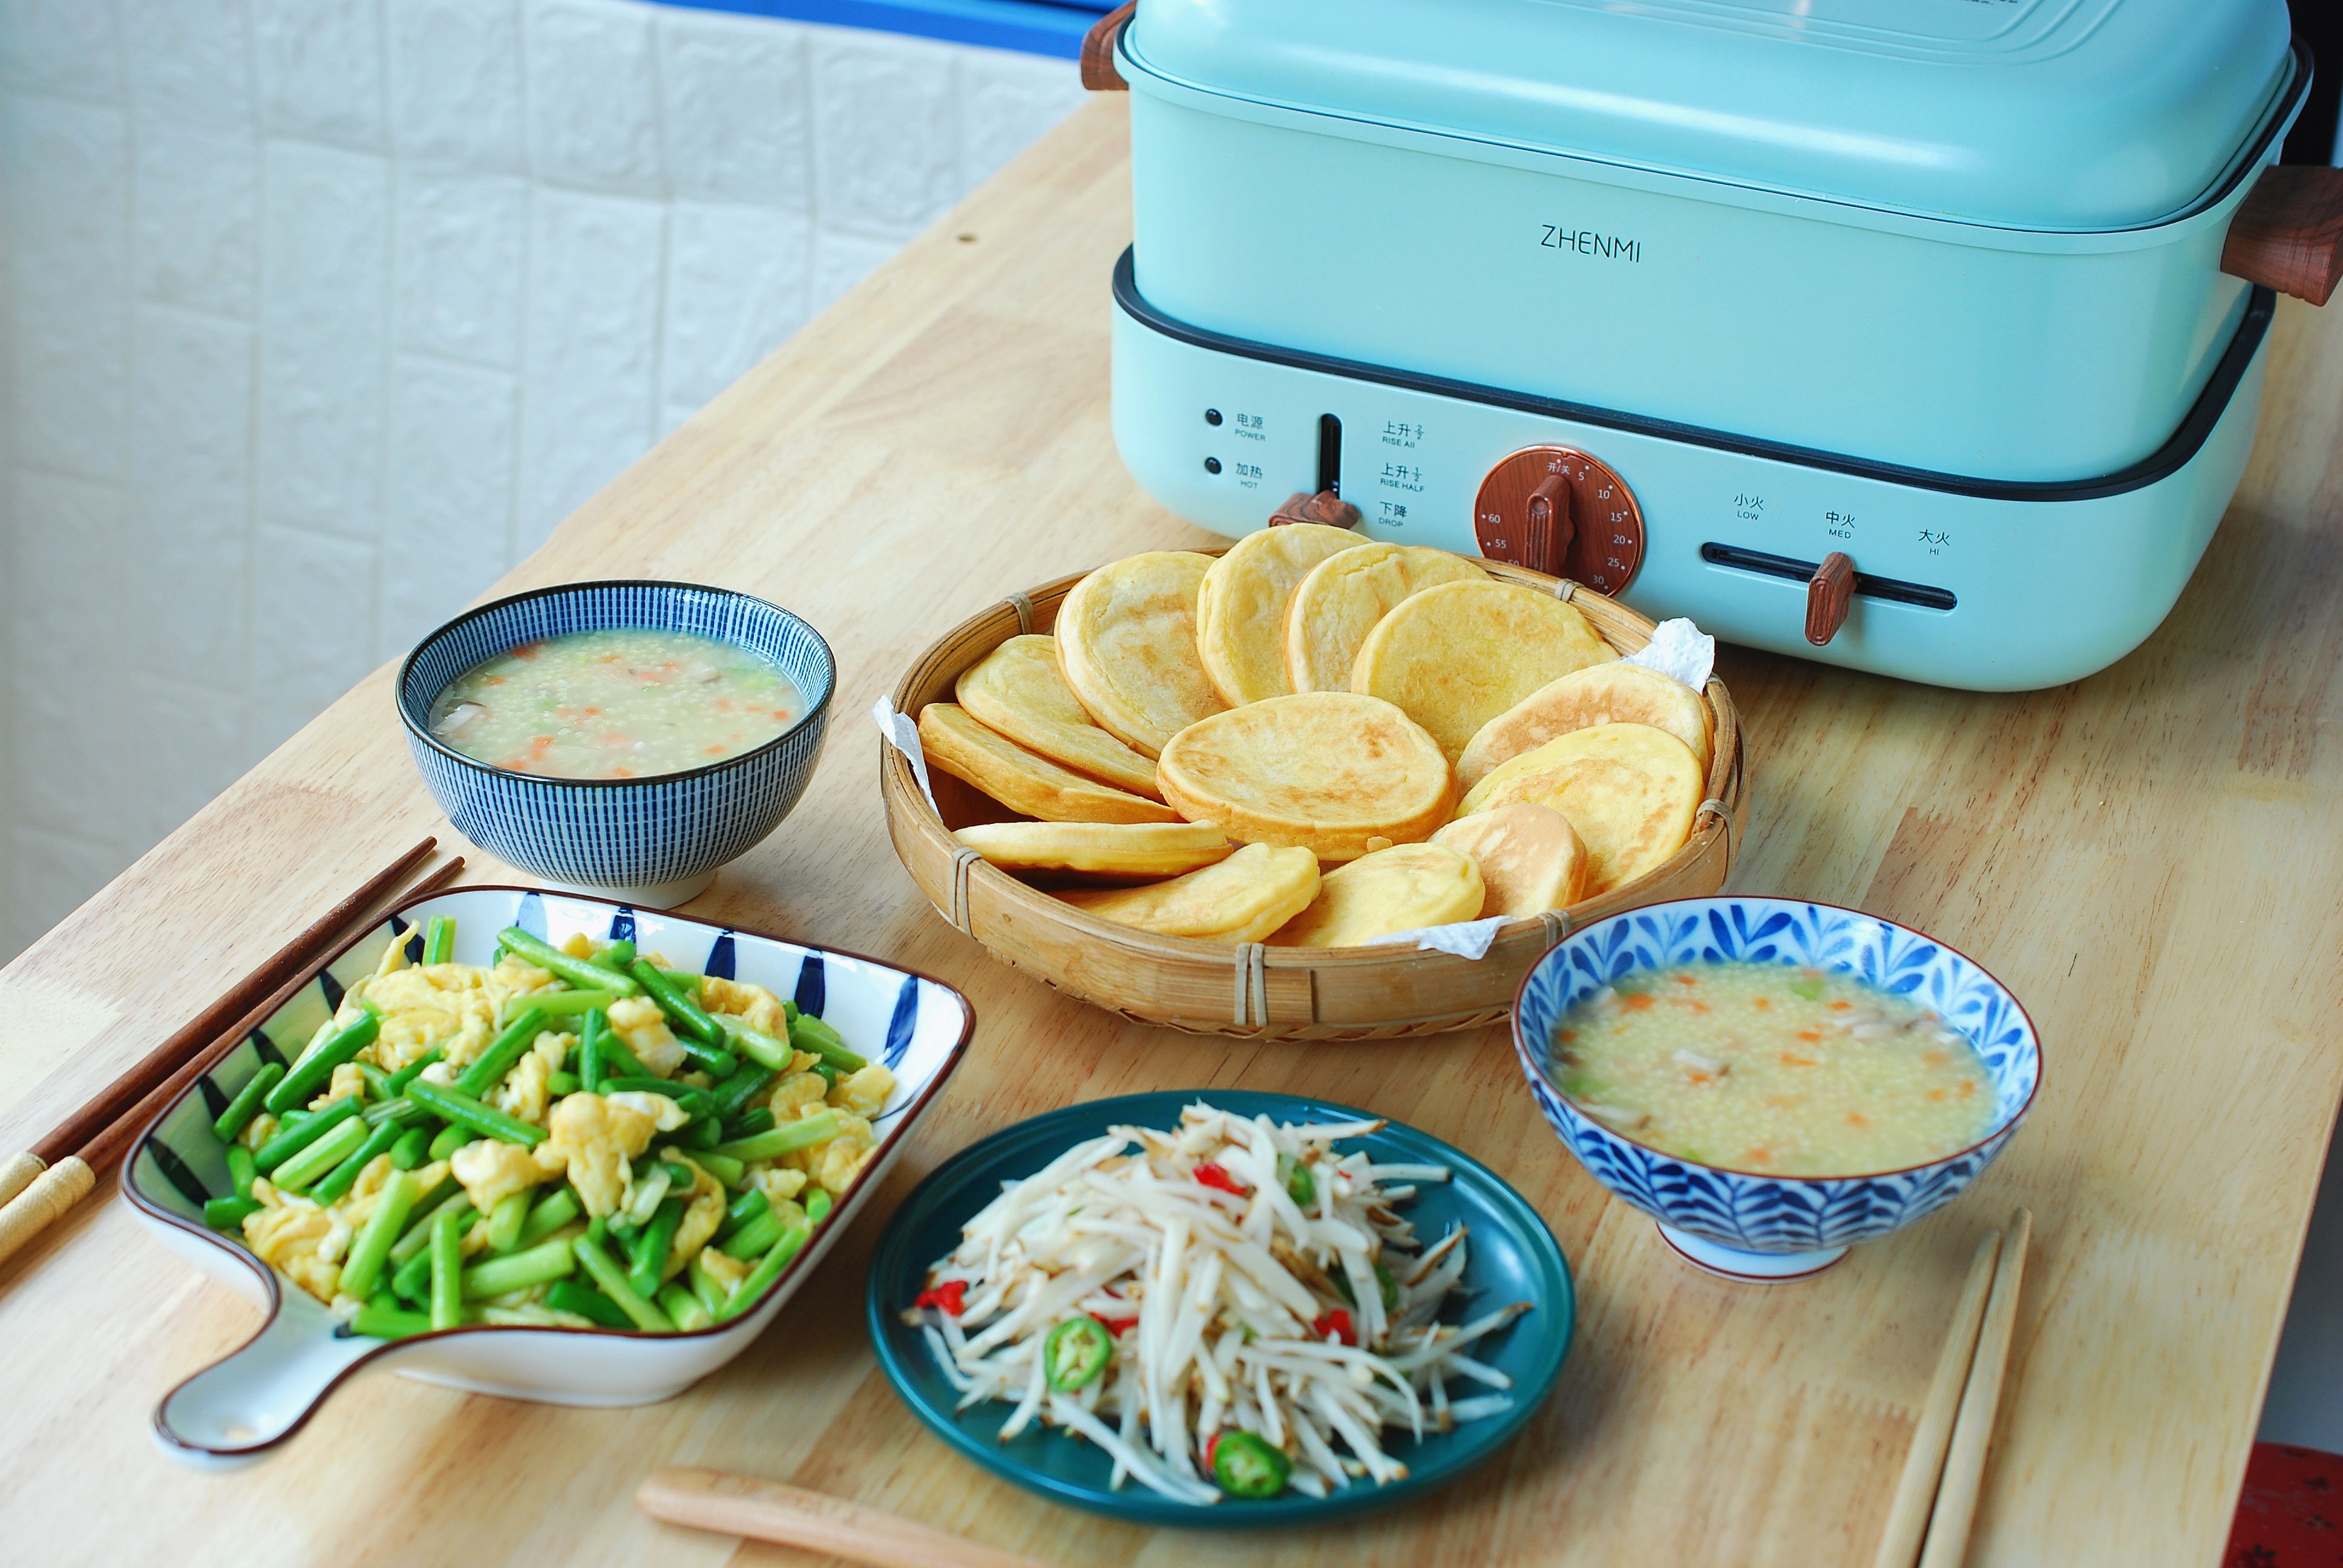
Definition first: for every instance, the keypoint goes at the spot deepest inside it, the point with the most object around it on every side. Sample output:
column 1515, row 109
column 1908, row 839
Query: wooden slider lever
column 1325, row 507
column 809, row 1521
column 1830, row 594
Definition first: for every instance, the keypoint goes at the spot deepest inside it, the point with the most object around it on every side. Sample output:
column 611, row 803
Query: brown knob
column 1830, row 594
column 1325, row 507
column 1548, row 545
column 2288, row 234
column 1099, row 73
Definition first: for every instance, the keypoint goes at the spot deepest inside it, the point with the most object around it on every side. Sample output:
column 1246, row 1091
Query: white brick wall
column 318, row 313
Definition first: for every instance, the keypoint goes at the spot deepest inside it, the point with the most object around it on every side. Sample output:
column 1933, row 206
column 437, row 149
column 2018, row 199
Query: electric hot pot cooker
column 1925, row 337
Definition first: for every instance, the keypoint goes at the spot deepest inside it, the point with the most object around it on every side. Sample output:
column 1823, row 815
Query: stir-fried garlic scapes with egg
column 524, row 1148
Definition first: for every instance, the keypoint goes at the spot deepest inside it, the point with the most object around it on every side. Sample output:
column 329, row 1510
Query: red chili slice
column 1338, row 1323
column 952, row 1296
column 1116, row 1326
column 1217, row 1176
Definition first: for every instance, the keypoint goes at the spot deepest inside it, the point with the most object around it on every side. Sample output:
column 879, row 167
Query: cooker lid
column 2068, row 115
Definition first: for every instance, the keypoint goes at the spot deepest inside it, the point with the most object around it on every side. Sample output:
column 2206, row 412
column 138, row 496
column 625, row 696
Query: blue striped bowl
column 1744, row 1224
column 656, row 840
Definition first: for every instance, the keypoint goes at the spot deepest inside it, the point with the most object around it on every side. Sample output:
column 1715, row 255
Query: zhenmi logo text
column 1587, row 242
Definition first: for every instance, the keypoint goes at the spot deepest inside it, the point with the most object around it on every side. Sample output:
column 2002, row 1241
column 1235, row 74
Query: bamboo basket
column 1252, row 991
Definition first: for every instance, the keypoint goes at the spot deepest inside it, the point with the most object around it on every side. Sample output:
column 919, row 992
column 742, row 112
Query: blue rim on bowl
column 1755, row 1225
column 1513, row 1256
column 656, row 840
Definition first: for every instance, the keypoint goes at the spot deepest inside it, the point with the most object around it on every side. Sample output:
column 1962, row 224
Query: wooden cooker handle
column 1099, row 73
column 809, row 1521
column 2288, row 234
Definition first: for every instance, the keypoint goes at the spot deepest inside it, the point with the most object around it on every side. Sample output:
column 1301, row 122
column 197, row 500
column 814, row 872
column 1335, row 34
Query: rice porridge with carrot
column 625, row 702
column 1771, row 1068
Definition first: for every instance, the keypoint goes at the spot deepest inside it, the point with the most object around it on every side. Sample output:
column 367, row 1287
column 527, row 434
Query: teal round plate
column 1513, row 1257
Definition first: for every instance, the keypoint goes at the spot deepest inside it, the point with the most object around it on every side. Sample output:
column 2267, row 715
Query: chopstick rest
column 810, row 1521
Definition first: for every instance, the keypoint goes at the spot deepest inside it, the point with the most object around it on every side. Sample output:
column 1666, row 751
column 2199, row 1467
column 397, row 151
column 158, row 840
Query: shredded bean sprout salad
column 1229, row 1308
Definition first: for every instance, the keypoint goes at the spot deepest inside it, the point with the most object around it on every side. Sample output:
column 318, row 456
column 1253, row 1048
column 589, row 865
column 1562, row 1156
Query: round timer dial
column 1555, row 510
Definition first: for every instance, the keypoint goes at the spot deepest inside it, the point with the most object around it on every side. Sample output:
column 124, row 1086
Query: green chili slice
column 1247, row 1466
column 1076, row 1355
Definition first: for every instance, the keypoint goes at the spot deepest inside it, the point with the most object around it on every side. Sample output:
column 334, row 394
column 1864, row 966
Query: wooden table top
column 2152, row 858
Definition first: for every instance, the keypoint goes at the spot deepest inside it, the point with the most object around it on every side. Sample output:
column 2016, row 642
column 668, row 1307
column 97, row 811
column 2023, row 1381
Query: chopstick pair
column 1937, row 1492
column 43, row 1182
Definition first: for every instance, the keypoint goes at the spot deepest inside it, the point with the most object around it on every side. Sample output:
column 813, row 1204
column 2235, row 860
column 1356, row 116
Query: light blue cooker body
column 1973, row 378
column 2032, row 591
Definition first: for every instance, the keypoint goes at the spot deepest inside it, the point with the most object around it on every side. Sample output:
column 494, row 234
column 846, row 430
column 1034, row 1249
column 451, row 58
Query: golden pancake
column 1327, row 771
column 1242, row 900
column 1456, row 656
column 1630, row 790
column 1340, row 601
column 1029, row 785
column 1240, row 613
column 1614, row 693
column 1147, row 849
column 1127, row 646
column 1395, row 890
column 1019, row 690
column 1530, row 857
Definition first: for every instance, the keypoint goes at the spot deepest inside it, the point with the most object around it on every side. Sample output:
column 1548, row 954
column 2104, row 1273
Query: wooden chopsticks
column 1937, row 1491
column 812, row 1521
column 47, row 1179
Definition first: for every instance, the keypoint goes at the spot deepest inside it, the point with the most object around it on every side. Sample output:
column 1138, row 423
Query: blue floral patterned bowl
column 1739, row 1223
column 655, row 841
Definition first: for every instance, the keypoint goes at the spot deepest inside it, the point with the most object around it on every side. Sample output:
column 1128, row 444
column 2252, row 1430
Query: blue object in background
column 1032, row 26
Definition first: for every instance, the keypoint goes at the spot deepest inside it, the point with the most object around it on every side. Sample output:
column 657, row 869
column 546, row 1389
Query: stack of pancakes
column 1319, row 740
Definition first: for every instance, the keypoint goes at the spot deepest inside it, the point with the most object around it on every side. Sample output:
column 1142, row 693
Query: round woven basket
column 1251, row 989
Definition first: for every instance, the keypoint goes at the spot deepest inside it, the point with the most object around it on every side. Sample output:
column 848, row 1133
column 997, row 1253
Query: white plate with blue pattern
column 1745, row 1225
column 259, row 1395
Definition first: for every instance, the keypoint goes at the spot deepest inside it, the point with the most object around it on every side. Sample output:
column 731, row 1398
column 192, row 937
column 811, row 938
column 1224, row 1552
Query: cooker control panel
column 1556, row 509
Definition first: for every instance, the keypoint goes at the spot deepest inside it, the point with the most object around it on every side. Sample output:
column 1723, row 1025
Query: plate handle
column 2288, row 234
column 240, row 1406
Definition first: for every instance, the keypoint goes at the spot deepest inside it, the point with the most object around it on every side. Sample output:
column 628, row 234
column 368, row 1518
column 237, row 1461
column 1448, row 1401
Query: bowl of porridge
column 622, row 739
column 1774, row 1080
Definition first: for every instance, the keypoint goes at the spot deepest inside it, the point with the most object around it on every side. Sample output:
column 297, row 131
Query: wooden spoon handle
column 810, row 1521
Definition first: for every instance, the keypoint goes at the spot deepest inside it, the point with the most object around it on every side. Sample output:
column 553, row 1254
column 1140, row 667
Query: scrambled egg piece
column 490, row 1169
column 835, row 1164
column 701, row 1215
column 525, row 1092
column 778, row 1184
column 753, row 1005
column 636, row 1021
column 453, row 1007
column 580, row 946
column 595, row 1137
column 724, row 1269
column 347, row 1079
column 260, row 1130
column 797, row 1093
column 864, row 1093
column 301, row 1240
